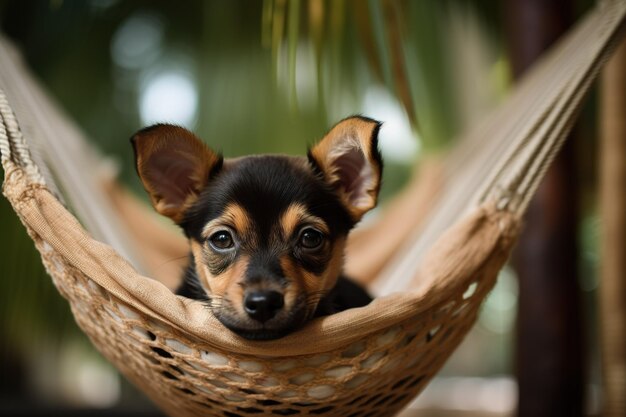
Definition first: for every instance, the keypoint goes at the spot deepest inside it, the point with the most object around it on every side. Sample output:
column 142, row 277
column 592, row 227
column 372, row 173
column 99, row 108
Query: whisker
column 178, row 258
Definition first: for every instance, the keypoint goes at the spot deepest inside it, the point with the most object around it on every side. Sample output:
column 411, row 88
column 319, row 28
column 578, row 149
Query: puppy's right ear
column 174, row 166
column 349, row 158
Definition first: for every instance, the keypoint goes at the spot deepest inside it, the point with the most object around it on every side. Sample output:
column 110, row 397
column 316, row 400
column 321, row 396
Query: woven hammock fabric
column 369, row 361
column 188, row 364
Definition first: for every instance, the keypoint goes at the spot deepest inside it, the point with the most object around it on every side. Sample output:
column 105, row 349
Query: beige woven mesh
column 362, row 362
column 189, row 365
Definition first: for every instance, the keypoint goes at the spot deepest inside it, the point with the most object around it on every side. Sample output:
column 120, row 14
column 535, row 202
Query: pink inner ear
column 355, row 177
column 173, row 177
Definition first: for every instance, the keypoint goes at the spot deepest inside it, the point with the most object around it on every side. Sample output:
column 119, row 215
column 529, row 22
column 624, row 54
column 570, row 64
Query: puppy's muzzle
column 263, row 305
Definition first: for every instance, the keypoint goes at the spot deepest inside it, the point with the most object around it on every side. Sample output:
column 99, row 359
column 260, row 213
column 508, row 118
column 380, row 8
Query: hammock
column 369, row 361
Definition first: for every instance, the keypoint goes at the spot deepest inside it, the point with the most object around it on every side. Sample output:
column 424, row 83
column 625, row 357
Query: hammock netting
column 369, row 361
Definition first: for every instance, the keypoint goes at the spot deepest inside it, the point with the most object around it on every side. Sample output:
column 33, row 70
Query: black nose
column 263, row 305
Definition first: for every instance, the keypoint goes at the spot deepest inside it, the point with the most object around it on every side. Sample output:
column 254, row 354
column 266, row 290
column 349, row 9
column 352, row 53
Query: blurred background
column 271, row 77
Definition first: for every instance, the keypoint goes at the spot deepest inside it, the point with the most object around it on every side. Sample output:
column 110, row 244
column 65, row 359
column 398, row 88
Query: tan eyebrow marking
column 234, row 216
column 296, row 215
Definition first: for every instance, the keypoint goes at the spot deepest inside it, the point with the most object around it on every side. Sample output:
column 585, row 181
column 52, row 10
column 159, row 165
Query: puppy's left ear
column 349, row 158
column 174, row 166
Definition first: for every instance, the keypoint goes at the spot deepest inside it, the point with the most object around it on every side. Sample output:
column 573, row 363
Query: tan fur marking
column 203, row 272
column 227, row 284
column 297, row 215
column 223, row 284
column 298, row 279
column 234, row 216
column 312, row 285
column 335, row 266
column 234, row 277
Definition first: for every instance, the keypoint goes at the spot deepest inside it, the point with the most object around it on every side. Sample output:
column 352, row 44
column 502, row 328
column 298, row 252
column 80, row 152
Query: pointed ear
column 350, row 161
column 174, row 166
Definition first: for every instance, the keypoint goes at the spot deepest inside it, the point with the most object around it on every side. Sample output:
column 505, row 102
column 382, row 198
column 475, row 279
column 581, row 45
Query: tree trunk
column 549, row 354
column 613, row 233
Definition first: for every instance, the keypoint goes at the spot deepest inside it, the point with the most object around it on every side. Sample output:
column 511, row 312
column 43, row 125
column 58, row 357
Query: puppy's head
column 267, row 233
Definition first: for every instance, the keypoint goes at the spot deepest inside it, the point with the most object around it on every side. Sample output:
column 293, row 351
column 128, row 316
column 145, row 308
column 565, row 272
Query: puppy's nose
column 263, row 305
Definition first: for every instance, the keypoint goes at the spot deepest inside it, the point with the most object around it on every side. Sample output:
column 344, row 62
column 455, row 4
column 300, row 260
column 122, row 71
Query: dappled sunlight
column 137, row 42
column 169, row 96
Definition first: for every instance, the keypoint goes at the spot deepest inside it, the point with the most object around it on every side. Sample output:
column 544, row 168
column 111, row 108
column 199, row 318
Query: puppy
column 267, row 233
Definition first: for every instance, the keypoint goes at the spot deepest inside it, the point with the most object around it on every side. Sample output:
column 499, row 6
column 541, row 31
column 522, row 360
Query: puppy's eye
column 311, row 238
column 221, row 240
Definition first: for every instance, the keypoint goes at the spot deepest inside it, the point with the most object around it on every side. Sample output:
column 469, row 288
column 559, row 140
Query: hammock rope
column 60, row 152
column 366, row 361
column 529, row 129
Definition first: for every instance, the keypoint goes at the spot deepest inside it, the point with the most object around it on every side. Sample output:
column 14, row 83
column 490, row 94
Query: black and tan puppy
column 267, row 233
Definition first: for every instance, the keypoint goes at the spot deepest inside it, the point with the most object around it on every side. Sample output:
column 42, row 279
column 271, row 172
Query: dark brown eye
column 222, row 240
column 311, row 238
